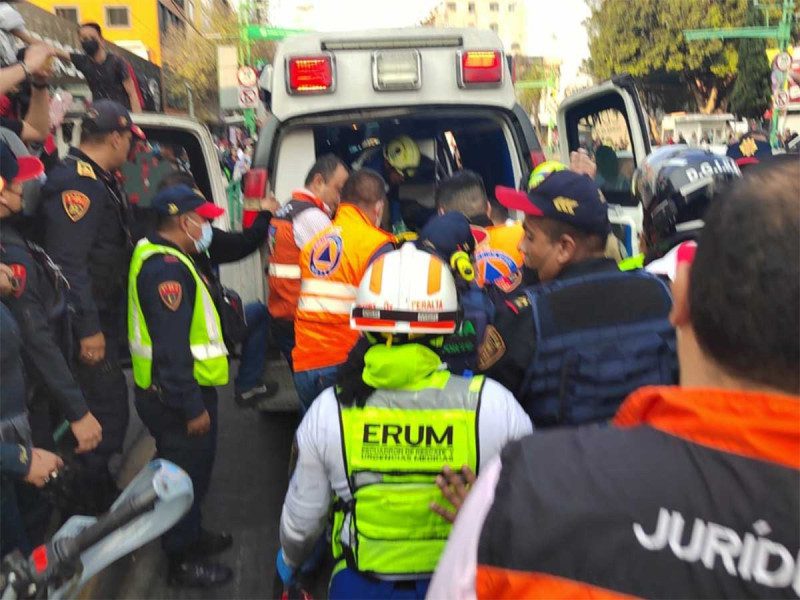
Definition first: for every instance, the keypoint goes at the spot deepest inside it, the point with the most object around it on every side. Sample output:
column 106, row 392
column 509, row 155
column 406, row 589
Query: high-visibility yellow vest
column 394, row 447
column 205, row 334
column 632, row 263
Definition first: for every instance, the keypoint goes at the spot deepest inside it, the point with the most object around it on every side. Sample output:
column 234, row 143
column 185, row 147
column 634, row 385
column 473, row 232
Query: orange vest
column 284, row 270
column 332, row 265
column 496, row 252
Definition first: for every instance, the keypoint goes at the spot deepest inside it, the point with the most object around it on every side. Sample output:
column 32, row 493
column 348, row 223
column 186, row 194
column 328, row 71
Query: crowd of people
column 488, row 407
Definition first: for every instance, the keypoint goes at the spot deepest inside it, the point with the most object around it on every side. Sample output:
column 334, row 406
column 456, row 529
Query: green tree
column 645, row 38
column 530, row 69
column 751, row 94
column 190, row 58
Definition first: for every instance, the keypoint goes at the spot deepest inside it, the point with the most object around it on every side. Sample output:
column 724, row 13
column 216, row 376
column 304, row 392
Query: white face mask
column 206, row 235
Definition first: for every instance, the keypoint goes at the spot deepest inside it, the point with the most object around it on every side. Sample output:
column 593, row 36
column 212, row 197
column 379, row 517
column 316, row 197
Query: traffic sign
column 783, row 61
column 248, row 97
column 247, row 76
column 781, row 100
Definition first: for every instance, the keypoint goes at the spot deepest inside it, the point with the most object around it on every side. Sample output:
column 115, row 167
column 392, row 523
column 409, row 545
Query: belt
column 16, row 430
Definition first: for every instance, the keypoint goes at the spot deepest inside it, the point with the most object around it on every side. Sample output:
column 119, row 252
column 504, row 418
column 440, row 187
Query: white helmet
column 406, row 291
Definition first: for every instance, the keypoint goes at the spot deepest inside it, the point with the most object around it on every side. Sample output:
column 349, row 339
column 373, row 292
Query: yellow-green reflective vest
column 393, row 449
column 205, row 334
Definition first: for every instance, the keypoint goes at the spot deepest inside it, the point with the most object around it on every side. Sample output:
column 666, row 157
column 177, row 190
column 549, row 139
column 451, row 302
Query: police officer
column 19, row 460
column 179, row 357
column 675, row 185
column 379, row 439
column 572, row 347
column 39, row 306
column 86, row 232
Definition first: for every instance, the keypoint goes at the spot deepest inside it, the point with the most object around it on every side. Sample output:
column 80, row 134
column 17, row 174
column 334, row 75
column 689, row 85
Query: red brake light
column 254, row 187
column 310, row 74
column 480, row 67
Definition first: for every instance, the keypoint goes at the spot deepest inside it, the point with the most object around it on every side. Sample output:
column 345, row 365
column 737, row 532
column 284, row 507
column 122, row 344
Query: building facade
column 136, row 25
column 507, row 18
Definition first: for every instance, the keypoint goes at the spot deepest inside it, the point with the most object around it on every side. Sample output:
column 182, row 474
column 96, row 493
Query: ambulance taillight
column 310, row 74
column 480, row 68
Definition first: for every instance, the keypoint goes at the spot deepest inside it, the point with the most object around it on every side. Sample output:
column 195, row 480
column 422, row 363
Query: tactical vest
column 332, row 266
column 598, row 338
column 205, row 334
column 393, row 449
column 284, row 261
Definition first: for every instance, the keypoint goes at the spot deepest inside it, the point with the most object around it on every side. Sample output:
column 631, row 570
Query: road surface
column 245, row 498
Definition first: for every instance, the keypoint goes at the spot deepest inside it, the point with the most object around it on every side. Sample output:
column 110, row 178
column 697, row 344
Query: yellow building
column 136, row 25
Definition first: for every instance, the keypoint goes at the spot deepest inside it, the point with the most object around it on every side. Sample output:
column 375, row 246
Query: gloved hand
column 285, row 572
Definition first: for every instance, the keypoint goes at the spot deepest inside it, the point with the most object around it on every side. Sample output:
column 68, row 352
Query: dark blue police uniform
column 86, row 231
column 175, row 396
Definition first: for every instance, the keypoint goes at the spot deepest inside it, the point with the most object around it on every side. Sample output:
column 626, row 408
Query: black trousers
column 106, row 392
column 193, row 454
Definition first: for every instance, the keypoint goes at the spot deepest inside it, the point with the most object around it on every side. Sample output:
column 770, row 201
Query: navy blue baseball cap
column 447, row 234
column 563, row 196
column 105, row 116
column 749, row 151
column 179, row 199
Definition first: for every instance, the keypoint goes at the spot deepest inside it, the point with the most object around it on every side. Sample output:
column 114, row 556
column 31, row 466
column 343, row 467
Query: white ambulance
column 449, row 89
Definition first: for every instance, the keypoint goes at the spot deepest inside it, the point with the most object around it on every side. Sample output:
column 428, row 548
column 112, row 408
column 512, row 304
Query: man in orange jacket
column 309, row 211
column 331, row 267
column 498, row 260
column 697, row 486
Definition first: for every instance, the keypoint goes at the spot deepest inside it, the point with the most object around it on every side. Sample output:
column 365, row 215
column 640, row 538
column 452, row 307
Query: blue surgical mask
column 206, row 235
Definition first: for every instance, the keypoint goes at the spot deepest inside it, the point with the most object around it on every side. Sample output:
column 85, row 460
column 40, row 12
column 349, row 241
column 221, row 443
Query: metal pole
column 191, row 99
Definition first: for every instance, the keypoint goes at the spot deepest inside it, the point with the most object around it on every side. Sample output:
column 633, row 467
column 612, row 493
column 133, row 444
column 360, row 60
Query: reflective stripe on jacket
column 393, row 448
column 332, row 265
column 283, row 271
column 205, row 334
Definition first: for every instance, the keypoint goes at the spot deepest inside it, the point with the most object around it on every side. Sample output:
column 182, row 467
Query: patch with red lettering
column 171, row 293
column 20, row 279
column 76, row 204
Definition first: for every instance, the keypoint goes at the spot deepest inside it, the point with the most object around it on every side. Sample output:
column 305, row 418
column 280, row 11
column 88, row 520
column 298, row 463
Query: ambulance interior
column 479, row 139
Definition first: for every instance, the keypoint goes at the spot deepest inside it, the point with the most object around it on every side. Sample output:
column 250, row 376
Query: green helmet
column 540, row 173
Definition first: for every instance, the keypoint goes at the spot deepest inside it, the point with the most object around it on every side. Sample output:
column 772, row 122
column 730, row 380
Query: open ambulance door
column 608, row 121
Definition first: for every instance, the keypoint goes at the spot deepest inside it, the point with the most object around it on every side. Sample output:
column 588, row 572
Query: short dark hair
column 462, row 192
column 94, row 137
column 326, row 166
column 365, row 187
column 555, row 229
column 92, row 25
column 744, row 296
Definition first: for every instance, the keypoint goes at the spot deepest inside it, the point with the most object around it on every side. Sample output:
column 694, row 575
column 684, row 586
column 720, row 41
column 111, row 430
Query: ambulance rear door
column 608, row 121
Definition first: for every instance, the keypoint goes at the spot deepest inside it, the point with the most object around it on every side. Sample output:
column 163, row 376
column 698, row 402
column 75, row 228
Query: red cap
column 209, row 210
column 516, row 200
column 30, row 167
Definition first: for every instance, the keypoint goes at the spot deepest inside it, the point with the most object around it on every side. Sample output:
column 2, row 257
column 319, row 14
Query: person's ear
column 679, row 315
column 566, row 248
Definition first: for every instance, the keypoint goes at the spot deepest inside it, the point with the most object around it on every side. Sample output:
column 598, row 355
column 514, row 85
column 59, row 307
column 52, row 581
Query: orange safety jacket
column 284, row 269
column 332, row 265
column 497, row 254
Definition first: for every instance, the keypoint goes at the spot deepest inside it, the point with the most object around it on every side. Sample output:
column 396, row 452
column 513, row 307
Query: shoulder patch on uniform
column 86, row 170
column 492, row 348
column 510, row 283
column 76, row 204
column 20, row 277
column 171, row 293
